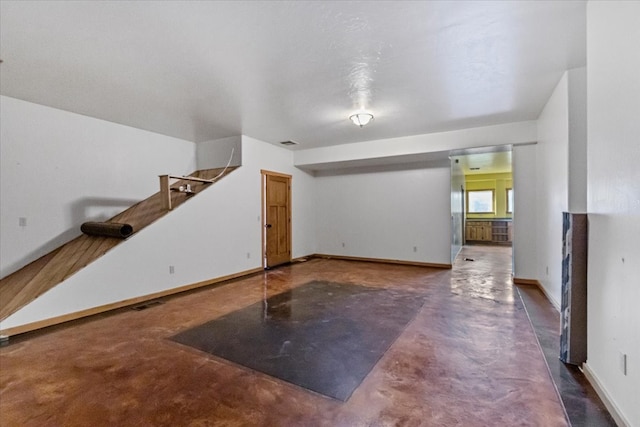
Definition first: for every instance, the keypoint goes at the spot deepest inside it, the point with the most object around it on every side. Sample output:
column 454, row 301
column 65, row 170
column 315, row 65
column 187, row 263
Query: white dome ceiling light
column 361, row 119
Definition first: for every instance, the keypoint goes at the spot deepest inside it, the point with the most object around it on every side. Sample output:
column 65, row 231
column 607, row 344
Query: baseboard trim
column 29, row 327
column 383, row 261
column 620, row 420
column 534, row 282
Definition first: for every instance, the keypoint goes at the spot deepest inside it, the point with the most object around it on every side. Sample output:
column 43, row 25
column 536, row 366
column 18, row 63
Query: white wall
column 577, row 87
column 221, row 227
column 60, row 169
column 257, row 155
column 525, row 253
column 383, row 212
column 552, row 188
column 416, row 147
column 613, row 64
column 349, row 175
column 378, row 212
column 218, row 153
column 561, row 174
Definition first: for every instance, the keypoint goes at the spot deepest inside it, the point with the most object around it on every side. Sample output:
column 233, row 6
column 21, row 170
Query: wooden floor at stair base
column 26, row 284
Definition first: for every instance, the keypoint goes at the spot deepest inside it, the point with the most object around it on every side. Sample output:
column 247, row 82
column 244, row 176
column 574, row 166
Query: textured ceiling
column 483, row 163
column 291, row 70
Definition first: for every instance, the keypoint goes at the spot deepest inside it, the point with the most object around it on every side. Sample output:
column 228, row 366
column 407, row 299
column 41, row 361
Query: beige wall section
column 499, row 182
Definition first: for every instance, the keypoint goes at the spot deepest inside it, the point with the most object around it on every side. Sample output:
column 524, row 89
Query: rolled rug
column 107, row 229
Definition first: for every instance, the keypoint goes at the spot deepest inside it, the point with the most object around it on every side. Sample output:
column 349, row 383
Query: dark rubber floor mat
column 325, row 337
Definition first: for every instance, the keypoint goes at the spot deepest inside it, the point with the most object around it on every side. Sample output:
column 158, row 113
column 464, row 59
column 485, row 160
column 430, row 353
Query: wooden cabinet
column 479, row 231
column 486, row 233
column 497, row 231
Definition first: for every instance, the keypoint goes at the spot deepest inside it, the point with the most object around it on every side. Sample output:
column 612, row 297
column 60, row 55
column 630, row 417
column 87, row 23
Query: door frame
column 263, row 223
column 463, row 196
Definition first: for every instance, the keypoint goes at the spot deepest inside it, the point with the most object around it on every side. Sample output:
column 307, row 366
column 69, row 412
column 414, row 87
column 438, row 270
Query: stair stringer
column 216, row 234
column 23, row 286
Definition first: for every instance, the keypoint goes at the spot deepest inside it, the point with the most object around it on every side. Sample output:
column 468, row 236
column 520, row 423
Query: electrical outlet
column 172, row 269
column 248, row 255
column 22, row 221
column 547, row 270
column 623, row 363
column 415, row 249
column 343, row 244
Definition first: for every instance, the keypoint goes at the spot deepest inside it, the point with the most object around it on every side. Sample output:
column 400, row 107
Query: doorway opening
column 482, row 194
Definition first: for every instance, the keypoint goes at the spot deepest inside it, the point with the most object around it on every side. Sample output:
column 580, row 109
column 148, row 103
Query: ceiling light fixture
column 361, row 119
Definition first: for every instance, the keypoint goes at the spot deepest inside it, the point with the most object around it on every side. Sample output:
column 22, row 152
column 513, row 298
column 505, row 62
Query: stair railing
column 165, row 183
column 165, row 187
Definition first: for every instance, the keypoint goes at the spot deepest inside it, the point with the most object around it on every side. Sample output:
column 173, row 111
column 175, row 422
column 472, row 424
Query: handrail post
column 165, row 192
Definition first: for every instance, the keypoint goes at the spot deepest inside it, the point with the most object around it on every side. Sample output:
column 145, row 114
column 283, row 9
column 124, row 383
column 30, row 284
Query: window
column 480, row 201
column 509, row 200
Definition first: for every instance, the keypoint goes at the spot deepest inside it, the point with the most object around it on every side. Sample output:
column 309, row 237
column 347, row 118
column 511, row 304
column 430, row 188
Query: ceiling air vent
column 288, row 143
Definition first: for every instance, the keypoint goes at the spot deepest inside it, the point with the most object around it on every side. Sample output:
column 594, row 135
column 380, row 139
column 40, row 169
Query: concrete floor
column 469, row 357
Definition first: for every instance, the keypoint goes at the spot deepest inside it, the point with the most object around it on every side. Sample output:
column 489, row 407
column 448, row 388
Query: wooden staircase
column 26, row 284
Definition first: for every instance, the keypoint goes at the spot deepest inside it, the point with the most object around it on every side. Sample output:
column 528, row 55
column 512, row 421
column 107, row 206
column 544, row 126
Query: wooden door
column 276, row 218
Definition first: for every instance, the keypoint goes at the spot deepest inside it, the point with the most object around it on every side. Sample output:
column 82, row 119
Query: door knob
column 267, row 226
